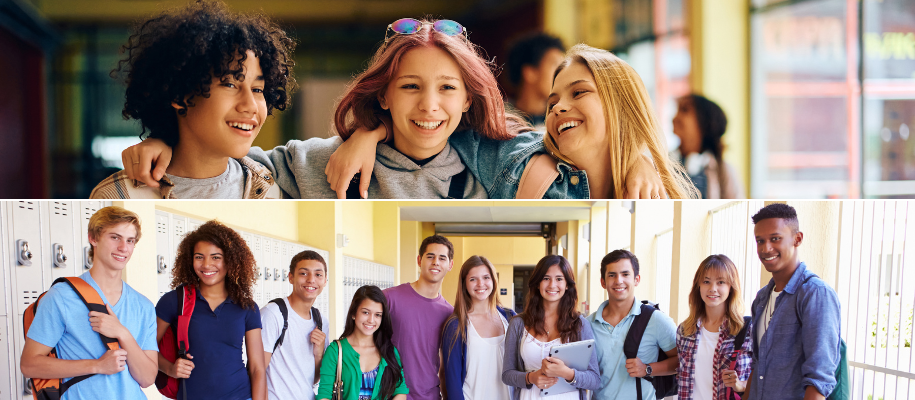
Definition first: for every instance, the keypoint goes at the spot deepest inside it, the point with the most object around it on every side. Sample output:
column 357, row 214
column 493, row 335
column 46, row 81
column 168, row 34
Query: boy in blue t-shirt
column 62, row 321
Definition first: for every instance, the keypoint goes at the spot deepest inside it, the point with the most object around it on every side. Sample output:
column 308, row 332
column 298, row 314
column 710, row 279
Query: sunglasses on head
column 409, row 26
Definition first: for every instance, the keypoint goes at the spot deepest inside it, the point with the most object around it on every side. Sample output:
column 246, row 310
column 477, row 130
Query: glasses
column 409, row 26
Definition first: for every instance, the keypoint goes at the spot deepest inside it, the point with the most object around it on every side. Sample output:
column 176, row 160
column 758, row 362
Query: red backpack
column 53, row 389
column 175, row 344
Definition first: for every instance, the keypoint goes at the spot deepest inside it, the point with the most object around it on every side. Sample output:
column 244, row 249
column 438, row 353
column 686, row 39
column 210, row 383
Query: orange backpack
column 53, row 389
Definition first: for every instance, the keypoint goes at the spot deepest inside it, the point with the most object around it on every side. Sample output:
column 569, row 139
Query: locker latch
column 161, row 266
column 87, row 261
column 60, row 258
column 276, row 274
column 267, row 272
column 23, row 255
column 27, row 386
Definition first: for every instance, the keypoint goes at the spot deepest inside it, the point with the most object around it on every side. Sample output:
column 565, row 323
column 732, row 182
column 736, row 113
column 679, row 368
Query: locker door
column 60, row 254
column 272, row 256
column 261, row 290
column 6, row 390
column 86, row 210
column 25, row 264
column 164, row 257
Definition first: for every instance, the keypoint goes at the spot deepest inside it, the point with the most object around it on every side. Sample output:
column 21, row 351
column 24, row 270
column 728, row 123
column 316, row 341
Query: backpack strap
column 93, row 302
column 634, row 339
column 538, row 175
column 283, row 310
column 316, row 316
column 456, row 190
column 187, row 303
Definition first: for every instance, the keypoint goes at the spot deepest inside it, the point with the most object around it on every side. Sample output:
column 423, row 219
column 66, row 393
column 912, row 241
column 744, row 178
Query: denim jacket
column 498, row 165
column 800, row 348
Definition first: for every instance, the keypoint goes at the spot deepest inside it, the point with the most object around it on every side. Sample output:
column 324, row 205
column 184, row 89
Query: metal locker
column 164, row 255
column 61, row 240
column 193, row 224
column 86, row 210
column 25, row 261
column 270, row 255
column 6, row 387
column 255, row 245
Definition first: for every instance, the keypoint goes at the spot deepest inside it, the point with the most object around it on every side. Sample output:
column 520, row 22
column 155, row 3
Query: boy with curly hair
column 203, row 80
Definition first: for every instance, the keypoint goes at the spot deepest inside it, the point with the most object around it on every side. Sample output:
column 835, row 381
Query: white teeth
column 428, row 125
column 770, row 258
column 239, row 125
column 209, row 273
column 119, row 258
column 568, row 125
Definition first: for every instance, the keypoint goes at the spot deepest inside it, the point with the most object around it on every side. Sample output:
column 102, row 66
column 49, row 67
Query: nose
column 429, row 100
column 559, row 108
column 246, row 102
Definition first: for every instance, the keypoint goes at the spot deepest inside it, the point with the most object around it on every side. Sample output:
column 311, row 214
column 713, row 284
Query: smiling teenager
column 473, row 341
column 62, row 322
column 550, row 318
column 202, row 80
column 371, row 363
column 796, row 318
column 707, row 340
column 217, row 262
column 418, row 314
column 612, row 321
column 294, row 364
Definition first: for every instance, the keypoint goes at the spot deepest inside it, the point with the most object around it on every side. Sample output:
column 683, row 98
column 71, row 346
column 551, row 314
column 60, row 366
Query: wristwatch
column 648, row 370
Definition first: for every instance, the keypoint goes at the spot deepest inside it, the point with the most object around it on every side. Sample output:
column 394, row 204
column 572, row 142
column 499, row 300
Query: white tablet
column 575, row 355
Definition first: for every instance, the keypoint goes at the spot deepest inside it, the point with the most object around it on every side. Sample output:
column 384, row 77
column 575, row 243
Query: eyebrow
column 570, row 85
column 212, row 254
column 445, row 77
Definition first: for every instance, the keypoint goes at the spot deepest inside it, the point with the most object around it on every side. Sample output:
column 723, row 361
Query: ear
column 798, row 238
column 603, row 283
column 381, row 100
column 176, row 106
column 529, row 74
column 468, row 103
column 93, row 241
column 638, row 278
column 419, row 259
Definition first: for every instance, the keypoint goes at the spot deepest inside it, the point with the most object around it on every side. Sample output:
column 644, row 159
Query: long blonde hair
column 631, row 122
column 463, row 302
column 733, row 304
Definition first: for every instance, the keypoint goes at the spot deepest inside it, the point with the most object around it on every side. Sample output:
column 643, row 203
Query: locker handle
column 60, row 258
column 267, row 272
column 276, row 274
column 161, row 265
column 23, row 255
column 27, row 385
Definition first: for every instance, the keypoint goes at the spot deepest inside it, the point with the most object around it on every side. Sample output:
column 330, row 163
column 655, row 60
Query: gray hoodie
column 298, row 168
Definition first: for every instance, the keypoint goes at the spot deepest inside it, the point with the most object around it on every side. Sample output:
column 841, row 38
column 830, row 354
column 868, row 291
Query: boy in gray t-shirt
column 293, row 366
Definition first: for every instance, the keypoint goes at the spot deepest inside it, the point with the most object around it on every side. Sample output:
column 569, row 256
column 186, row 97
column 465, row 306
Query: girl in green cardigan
column 371, row 365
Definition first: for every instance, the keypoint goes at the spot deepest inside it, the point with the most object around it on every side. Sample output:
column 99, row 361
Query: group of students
column 426, row 119
column 408, row 342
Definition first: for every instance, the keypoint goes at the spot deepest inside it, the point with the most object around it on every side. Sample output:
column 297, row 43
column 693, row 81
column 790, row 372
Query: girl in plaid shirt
column 705, row 340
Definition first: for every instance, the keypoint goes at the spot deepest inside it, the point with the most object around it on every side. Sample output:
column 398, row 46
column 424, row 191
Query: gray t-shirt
column 228, row 185
column 291, row 372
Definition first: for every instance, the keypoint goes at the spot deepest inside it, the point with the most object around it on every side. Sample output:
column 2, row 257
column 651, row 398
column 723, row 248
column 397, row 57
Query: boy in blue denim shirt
column 796, row 345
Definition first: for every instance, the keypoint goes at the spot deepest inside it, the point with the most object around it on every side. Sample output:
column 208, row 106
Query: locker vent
column 29, row 296
column 161, row 227
column 88, row 212
column 28, row 205
column 61, row 208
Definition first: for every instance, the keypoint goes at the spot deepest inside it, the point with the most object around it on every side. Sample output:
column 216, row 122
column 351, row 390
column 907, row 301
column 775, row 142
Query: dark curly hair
column 779, row 210
column 241, row 269
column 174, row 56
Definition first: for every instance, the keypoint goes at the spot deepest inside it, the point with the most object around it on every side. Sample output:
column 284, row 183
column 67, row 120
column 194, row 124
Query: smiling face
column 114, row 246
column 434, row 263
column 776, row 245
column 575, row 114
column 368, row 317
column 479, row 283
column 620, row 281
column 426, row 98
column 208, row 264
column 714, row 288
column 226, row 123
column 308, row 280
column 553, row 285
column 686, row 127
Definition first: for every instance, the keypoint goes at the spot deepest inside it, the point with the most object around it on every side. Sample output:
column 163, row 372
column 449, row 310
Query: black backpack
column 315, row 316
column 663, row 385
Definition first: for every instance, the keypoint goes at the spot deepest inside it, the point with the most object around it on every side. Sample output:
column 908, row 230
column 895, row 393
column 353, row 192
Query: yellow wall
column 386, row 218
column 358, row 221
column 597, row 249
column 720, row 54
column 691, row 245
column 650, row 218
column 319, row 223
column 819, row 221
column 560, row 18
column 410, row 238
column 275, row 218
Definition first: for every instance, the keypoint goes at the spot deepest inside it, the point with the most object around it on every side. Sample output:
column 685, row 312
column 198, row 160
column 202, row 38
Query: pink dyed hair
column 359, row 105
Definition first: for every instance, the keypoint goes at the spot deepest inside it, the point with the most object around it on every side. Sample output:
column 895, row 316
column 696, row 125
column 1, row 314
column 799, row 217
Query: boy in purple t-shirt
column 418, row 312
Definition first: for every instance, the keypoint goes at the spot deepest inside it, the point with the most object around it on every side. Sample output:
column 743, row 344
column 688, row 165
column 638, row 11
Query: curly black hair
column 241, row 268
column 174, row 56
column 779, row 210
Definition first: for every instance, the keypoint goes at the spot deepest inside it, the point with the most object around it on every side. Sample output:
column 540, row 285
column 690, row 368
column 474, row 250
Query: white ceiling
column 493, row 214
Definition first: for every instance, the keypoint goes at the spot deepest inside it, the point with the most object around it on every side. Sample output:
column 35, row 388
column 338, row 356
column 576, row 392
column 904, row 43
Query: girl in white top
column 473, row 340
column 706, row 340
